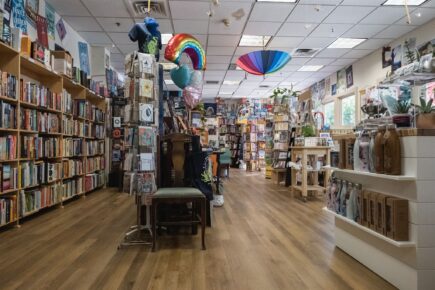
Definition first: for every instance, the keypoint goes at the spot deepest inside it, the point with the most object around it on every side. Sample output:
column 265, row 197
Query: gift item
column 372, row 156
column 379, row 150
column 392, row 158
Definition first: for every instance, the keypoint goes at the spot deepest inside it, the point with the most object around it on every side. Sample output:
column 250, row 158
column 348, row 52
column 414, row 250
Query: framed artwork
column 41, row 28
column 349, row 77
column 49, row 15
column 210, row 109
column 427, row 48
column 19, row 15
column 84, row 57
column 32, row 10
column 396, row 57
column 61, row 30
column 386, row 56
column 341, row 81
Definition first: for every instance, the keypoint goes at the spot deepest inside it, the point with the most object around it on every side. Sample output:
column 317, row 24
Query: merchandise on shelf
column 39, row 95
column 9, row 177
column 73, row 147
column 8, row 85
column 8, row 115
column 8, row 209
column 40, row 147
column 72, row 187
column 8, row 147
column 71, row 168
column 36, row 199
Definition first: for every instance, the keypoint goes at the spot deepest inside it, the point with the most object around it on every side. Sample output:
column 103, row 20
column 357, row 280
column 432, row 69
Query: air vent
column 264, row 86
column 140, row 8
column 212, row 82
column 305, row 52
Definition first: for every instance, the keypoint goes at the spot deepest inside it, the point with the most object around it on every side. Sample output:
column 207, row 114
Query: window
column 348, row 111
column 329, row 113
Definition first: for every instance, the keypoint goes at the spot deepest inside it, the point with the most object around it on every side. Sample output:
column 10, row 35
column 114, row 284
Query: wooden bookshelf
column 31, row 70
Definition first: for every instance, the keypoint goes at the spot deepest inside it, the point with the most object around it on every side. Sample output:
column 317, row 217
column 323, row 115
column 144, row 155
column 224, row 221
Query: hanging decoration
column 262, row 62
column 181, row 76
column 192, row 96
column 196, row 79
column 186, row 43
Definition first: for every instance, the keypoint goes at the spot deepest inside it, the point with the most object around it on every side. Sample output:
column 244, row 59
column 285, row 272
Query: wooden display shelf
column 37, row 69
column 309, row 187
column 50, row 133
column 28, row 131
column 399, row 244
column 8, row 130
column 39, row 209
column 374, row 175
column 9, row 161
column 6, row 49
column 36, row 107
column 11, row 222
column 7, row 99
column 9, row 191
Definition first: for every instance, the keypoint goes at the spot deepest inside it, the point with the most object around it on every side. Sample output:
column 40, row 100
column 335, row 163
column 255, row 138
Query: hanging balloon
column 186, row 43
column 196, row 79
column 181, row 76
column 192, row 96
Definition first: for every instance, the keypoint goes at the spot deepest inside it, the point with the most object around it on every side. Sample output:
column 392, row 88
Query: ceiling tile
column 320, row 61
column 223, row 40
column 277, row 12
column 384, row 15
column 235, row 74
column 190, row 26
column 301, row 74
column 363, row 3
column 217, row 74
column 83, row 23
column 419, row 16
column 280, row 41
column 117, row 57
column 316, row 42
column 165, row 25
column 96, row 37
column 364, row 30
column 64, row 7
column 331, row 2
column 220, row 50
column 216, row 66
column 296, row 29
column 357, row 53
column 191, row 10
column 373, row 43
column 218, row 59
column 111, row 24
column 224, row 12
column 106, row 8
column 395, row 31
column 120, row 37
column 330, row 30
column 127, row 48
column 309, row 13
column 241, row 50
column 292, row 66
column 299, row 60
column 331, row 68
column 344, row 61
column 348, row 14
column 333, row 52
column 430, row 3
column 261, row 28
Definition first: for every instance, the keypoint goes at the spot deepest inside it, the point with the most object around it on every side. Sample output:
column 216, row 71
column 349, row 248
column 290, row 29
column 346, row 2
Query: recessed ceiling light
column 286, row 1
column 418, row 14
column 310, row 68
column 226, row 92
column 169, row 82
column 254, row 40
column 347, row 42
column 402, row 2
column 231, row 83
column 166, row 37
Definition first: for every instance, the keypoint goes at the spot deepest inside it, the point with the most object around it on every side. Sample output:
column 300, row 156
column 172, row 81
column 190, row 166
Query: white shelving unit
column 405, row 264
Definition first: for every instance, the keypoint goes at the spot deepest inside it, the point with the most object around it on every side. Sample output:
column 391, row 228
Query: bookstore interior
column 217, row 144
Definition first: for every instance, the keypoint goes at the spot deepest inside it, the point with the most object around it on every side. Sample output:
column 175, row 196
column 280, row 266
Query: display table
column 278, row 175
column 405, row 264
column 305, row 153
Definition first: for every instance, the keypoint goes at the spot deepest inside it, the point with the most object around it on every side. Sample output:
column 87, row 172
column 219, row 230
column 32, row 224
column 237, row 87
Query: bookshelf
column 49, row 152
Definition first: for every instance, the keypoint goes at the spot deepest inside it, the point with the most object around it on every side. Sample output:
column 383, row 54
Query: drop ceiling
column 311, row 24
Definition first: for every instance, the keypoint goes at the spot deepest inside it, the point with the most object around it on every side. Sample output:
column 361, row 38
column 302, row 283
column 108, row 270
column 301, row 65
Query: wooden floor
column 262, row 239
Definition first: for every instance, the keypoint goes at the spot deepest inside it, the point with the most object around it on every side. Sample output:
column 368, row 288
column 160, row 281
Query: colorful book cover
column 146, row 182
column 146, row 136
column 6, row 177
column 41, row 27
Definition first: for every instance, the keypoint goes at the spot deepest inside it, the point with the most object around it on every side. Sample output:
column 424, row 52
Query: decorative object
column 410, row 52
column 401, row 116
column 84, row 57
column 386, row 56
column 41, row 28
column 192, row 96
column 373, row 110
column 425, row 116
column 262, row 62
column 341, row 81
column 396, row 57
column 50, row 16
column 19, row 15
column 281, row 96
column 349, row 77
column 308, row 131
column 61, row 30
column 186, row 43
column 196, row 79
column 181, row 76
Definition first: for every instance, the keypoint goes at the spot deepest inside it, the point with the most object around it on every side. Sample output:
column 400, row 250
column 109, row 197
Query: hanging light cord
column 407, row 11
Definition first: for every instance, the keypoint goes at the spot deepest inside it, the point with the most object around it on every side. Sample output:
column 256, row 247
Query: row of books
column 8, row 147
column 83, row 109
column 8, row 209
column 67, row 106
column 95, row 163
column 36, row 199
column 9, row 177
column 97, row 131
column 72, row 167
column 40, row 95
column 94, row 180
column 35, row 147
column 250, row 146
column 72, row 187
column 8, row 85
column 36, row 173
column 35, row 120
column 73, row 147
column 94, row 148
column 8, row 115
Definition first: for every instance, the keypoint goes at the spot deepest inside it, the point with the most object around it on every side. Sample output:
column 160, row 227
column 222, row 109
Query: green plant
column 200, row 108
column 402, row 107
column 409, row 54
column 425, row 107
column 308, row 131
column 284, row 94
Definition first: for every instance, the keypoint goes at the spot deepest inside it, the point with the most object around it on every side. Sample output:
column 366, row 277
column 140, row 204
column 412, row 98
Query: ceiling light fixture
column 402, row 2
column 166, row 37
column 347, row 42
column 231, row 83
column 254, row 40
column 310, row 68
column 285, row 1
column 169, row 82
column 418, row 14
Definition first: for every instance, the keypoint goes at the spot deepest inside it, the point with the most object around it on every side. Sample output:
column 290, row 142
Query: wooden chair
column 176, row 188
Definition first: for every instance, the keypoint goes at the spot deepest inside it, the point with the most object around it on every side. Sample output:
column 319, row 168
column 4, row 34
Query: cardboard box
column 396, row 219
column 372, row 217
column 365, row 208
column 380, row 213
column 26, row 46
column 63, row 63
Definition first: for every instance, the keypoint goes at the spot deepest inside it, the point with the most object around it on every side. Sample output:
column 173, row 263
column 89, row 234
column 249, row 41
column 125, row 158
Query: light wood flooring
column 261, row 239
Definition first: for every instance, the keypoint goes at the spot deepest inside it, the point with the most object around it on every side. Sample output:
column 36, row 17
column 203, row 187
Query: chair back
column 175, row 149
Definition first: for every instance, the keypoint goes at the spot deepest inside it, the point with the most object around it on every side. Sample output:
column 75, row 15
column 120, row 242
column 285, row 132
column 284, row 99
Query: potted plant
column 425, row 116
column 401, row 116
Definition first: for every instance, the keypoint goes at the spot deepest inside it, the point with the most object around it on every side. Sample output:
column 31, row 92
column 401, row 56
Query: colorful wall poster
column 41, row 28
column 50, row 16
column 341, row 81
column 210, row 109
column 328, row 88
column 32, row 9
column 396, row 57
column 84, row 57
column 386, row 56
column 61, row 30
column 349, row 77
column 19, row 15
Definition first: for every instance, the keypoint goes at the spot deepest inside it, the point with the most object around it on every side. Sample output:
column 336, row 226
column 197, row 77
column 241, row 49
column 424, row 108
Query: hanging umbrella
column 262, row 62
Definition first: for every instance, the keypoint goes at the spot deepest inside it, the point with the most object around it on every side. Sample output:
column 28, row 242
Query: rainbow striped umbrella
column 262, row 62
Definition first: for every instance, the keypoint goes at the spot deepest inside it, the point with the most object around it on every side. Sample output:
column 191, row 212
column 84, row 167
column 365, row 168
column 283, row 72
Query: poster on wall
column 41, row 28
column 328, row 88
column 19, row 15
column 341, row 81
column 49, row 15
column 322, row 90
column 32, row 10
column 349, row 77
column 409, row 51
column 61, row 30
column 84, row 57
column 396, row 57
column 210, row 109
column 386, row 56
column 427, row 48
column 5, row 31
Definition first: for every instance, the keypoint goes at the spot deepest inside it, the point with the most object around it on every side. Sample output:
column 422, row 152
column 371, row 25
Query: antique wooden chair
column 177, row 189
